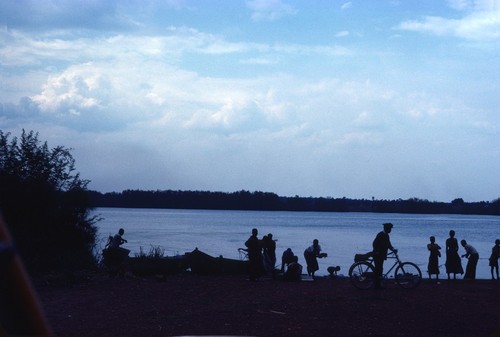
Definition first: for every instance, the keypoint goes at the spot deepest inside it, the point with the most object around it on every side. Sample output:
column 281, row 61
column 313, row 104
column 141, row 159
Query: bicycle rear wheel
column 362, row 275
column 408, row 275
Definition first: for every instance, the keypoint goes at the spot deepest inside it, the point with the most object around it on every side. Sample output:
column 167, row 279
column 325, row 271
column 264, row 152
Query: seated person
column 114, row 256
column 117, row 240
column 294, row 271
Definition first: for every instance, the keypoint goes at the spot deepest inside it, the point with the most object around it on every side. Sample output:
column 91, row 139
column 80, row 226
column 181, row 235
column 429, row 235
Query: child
column 435, row 254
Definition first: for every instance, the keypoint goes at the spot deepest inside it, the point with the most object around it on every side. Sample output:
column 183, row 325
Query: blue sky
column 358, row 99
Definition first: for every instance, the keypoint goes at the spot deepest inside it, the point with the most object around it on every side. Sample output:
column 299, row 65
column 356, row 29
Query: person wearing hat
column 381, row 245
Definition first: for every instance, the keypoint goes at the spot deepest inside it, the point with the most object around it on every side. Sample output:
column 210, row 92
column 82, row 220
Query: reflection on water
column 341, row 235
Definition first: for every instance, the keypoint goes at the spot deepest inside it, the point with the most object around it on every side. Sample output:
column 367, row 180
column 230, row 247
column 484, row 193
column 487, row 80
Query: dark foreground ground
column 232, row 305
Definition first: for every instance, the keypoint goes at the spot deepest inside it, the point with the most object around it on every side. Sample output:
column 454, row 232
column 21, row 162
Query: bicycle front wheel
column 408, row 275
column 362, row 275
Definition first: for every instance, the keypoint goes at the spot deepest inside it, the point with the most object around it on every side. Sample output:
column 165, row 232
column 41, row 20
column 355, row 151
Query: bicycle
column 362, row 273
column 243, row 254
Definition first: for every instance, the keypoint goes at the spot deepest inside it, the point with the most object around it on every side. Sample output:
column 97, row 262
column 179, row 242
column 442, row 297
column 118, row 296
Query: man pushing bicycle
column 381, row 245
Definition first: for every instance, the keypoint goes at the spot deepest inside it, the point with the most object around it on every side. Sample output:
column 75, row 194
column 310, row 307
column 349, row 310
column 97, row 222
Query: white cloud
column 74, row 89
column 459, row 4
column 481, row 24
column 264, row 60
column 346, row 5
column 269, row 10
column 187, row 108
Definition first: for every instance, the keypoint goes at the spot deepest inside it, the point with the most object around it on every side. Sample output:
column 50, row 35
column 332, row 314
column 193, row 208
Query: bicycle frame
column 392, row 256
column 406, row 274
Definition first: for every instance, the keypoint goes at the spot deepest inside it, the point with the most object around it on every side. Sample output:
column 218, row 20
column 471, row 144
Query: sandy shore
column 232, row 305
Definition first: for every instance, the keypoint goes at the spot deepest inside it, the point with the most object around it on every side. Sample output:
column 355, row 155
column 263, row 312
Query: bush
column 45, row 204
column 155, row 252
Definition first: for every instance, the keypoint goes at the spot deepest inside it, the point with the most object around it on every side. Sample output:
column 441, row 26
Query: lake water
column 341, row 235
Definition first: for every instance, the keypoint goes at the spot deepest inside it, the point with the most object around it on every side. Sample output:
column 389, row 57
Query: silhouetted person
column 294, row 270
column 269, row 247
column 114, row 255
column 117, row 240
column 473, row 256
column 311, row 254
column 381, row 245
column 495, row 255
column 453, row 262
column 434, row 255
column 333, row 270
column 286, row 258
column 254, row 247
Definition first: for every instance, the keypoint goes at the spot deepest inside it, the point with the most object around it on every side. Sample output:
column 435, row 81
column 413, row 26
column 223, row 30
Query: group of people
column 453, row 260
column 292, row 270
column 262, row 258
column 261, row 254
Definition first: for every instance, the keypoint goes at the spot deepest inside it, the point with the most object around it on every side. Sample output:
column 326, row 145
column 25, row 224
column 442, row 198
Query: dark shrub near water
column 44, row 202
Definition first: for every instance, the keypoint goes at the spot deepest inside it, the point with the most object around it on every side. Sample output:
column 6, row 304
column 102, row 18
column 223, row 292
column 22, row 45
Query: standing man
column 381, row 244
column 254, row 248
column 473, row 256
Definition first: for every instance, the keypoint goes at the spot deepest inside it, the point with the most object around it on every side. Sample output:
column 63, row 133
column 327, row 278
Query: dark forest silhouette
column 265, row 201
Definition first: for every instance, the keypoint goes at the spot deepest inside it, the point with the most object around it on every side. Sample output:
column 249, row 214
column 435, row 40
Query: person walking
column 381, row 245
column 473, row 256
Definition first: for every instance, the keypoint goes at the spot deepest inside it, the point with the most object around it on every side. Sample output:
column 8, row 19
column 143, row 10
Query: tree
column 44, row 201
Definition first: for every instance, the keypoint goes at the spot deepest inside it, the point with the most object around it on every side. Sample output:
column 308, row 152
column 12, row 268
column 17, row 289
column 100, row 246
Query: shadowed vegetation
column 44, row 202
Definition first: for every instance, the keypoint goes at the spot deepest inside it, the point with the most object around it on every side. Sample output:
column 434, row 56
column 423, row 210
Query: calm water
column 341, row 235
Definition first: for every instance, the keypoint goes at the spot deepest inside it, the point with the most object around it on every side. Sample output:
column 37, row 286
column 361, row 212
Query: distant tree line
column 265, row 201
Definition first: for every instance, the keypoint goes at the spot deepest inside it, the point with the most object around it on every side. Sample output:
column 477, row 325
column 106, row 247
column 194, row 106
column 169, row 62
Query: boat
column 204, row 264
column 196, row 261
column 169, row 265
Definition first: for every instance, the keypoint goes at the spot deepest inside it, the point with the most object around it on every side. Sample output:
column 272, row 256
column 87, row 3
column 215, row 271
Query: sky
column 357, row 99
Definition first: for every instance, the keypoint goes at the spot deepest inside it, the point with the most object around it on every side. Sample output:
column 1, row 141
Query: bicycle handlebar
column 393, row 254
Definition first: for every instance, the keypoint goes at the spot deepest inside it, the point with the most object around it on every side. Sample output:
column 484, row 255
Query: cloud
column 346, row 5
column 269, row 10
column 260, row 60
column 483, row 23
column 164, row 102
column 459, row 4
